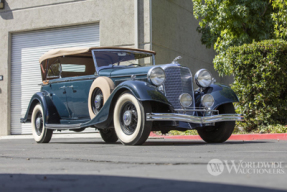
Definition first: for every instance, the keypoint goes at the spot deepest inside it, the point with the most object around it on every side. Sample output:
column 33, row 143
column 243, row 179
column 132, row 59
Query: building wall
column 116, row 19
column 174, row 33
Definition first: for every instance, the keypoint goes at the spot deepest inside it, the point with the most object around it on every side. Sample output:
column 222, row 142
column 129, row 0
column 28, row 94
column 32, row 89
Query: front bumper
column 193, row 119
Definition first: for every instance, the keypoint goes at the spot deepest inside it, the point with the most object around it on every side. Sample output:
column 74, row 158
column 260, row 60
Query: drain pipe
column 136, row 12
column 150, row 23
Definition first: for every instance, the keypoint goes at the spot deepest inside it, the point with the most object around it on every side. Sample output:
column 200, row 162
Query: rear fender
column 51, row 115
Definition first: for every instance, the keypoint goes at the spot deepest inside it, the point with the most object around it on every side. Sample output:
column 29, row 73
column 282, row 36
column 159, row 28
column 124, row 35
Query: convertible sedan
column 123, row 94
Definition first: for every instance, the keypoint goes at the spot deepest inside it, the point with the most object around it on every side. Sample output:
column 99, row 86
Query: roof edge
column 53, row 53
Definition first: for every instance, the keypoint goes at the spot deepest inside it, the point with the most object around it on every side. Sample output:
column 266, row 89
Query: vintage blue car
column 123, row 94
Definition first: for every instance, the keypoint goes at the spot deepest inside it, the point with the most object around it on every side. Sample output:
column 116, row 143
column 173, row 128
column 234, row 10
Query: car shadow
column 181, row 143
column 73, row 182
column 160, row 142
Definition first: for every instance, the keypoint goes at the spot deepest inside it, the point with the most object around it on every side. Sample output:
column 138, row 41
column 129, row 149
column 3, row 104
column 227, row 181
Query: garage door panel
column 27, row 48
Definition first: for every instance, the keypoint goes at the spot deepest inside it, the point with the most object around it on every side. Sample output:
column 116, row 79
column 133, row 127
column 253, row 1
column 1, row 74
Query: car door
column 59, row 98
column 58, row 90
column 77, row 96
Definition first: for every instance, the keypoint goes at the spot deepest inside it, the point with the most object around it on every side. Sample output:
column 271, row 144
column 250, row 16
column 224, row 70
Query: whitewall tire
column 40, row 133
column 130, row 120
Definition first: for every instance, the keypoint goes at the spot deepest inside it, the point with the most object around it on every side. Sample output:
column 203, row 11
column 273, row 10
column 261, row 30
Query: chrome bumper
column 193, row 119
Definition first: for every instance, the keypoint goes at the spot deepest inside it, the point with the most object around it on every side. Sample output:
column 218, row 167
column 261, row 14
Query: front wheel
column 40, row 133
column 130, row 120
column 222, row 130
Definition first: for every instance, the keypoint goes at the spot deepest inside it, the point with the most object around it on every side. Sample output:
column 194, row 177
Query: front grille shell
column 178, row 80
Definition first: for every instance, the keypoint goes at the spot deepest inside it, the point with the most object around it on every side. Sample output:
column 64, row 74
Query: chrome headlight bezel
column 181, row 97
column 151, row 76
column 205, row 97
column 198, row 81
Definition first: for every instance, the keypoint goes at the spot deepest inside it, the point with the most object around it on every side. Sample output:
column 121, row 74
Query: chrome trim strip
column 197, row 110
column 127, row 75
column 63, row 126
column 62, row 80
column 193, row 119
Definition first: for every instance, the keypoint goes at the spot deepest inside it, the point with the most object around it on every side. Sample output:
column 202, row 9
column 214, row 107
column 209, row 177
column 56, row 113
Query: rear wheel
column 130, row 120
column 222, row 130
column 109, row 135
column 40, row 133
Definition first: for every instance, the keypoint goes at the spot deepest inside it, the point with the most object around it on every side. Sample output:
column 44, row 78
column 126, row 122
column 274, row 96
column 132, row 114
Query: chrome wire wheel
column 129, row 118
column 130, row 122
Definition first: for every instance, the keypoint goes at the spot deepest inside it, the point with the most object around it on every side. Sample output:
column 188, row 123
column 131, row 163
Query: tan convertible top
column 80, row 50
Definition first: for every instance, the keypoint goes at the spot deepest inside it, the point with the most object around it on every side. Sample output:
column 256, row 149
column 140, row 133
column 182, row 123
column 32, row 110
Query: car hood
column 127, row 71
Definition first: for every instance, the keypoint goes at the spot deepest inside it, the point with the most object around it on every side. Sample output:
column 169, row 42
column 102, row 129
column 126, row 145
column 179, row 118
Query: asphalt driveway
column 88, row 164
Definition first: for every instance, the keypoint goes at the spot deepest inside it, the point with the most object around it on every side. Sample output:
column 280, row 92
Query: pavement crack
column 105, row 161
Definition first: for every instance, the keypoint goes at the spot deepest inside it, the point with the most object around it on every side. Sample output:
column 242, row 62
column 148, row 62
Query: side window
column 73, row 68
column 54, row 71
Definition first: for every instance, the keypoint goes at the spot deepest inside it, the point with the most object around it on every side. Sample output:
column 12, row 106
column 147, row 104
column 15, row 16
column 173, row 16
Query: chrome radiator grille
column 178, row 81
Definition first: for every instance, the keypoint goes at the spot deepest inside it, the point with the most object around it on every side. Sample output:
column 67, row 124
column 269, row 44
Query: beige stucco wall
column 116, row 18
column 174, row 33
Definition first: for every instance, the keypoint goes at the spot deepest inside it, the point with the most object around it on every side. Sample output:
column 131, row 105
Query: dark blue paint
column 77, row 97
column 222, row 94
column 51, row 115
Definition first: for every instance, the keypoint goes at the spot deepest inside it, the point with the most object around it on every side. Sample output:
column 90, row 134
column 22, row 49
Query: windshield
column 122, row 58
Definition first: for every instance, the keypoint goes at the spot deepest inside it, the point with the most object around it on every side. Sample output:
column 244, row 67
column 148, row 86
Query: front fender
column 50, row 112
column 143, row 91
column 222, row 94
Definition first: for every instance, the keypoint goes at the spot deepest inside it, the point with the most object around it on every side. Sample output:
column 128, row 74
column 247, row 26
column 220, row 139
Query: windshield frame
column 126, row 50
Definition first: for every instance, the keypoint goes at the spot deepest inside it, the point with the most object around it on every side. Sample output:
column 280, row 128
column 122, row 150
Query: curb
column 235, row 137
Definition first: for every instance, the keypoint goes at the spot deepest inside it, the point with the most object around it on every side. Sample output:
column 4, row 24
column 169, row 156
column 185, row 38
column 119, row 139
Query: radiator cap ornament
column 176, row 59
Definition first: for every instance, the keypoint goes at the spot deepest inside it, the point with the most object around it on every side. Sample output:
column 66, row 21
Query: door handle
column 74, row 91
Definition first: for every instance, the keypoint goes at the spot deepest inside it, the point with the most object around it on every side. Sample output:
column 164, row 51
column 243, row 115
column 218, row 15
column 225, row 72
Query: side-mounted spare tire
column 100, row 91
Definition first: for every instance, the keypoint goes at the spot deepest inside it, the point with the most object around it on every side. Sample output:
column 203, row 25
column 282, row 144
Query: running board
column 63, row 126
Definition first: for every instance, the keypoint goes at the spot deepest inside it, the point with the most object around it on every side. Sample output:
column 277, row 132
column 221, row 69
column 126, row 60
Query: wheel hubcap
column 127, row 118
column 39, row 123
column 97, row 101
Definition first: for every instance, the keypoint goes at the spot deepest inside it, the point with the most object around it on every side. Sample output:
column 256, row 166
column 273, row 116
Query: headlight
column 185, row 100
column 203, row 78
column 207, row 100
column 156, row 76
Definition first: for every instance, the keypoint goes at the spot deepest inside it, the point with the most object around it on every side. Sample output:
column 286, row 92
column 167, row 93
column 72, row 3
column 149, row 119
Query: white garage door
column 27, row 47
